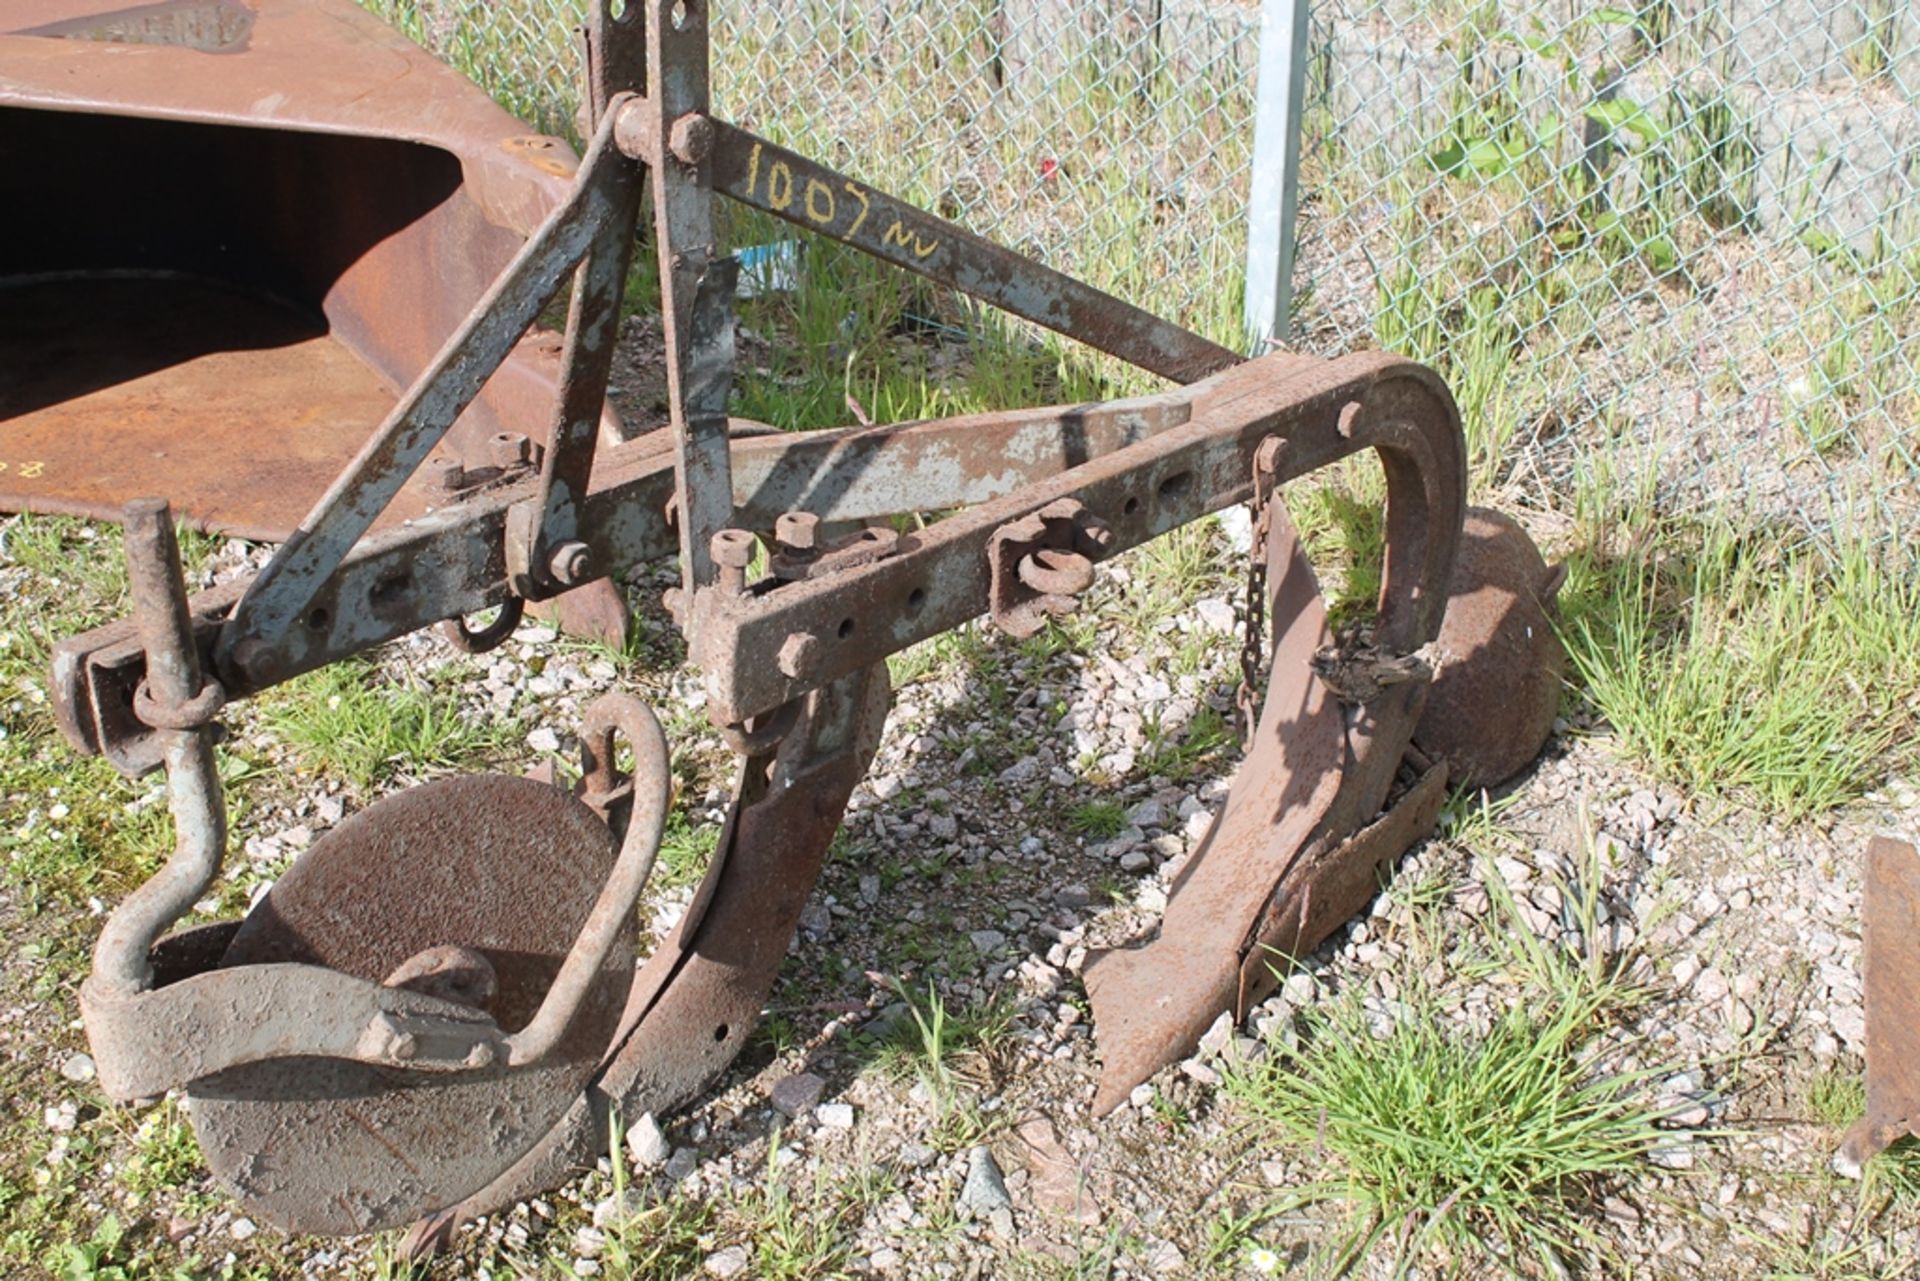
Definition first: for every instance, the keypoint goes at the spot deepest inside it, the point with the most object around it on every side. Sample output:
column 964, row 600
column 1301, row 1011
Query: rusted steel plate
column 1152, row 1003
column 506, row 867
column 320, row 203
column 242, row 409
column 1891, row 950
column 1498, row 663
column 701, row 992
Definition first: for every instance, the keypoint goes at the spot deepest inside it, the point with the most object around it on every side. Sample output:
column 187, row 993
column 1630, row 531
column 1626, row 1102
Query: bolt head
column 571, row 563
column 691, row 138
column 797, row 531
column 732, row 548
column 799, row 655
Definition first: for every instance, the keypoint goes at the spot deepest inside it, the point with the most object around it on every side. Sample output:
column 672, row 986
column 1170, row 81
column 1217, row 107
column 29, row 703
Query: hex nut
column 691, row 138
column 571, row 563
column 799, row 656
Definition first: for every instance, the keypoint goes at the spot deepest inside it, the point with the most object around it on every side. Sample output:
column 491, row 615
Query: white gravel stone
column 78, row 1068
column 543, row 740
column 242, row 1229
column 835, row 1116
column 986, row 1188
column 646, row 1144
column 730, row 1262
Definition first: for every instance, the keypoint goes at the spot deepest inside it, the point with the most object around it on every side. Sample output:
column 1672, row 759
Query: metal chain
column 1252, row 639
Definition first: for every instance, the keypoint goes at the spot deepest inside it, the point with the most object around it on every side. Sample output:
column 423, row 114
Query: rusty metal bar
column 451, row 562
column 696, row 284
column 175, row 691
column 652, row 796
column 807, row 194
column 280, row 601
column 940, row 577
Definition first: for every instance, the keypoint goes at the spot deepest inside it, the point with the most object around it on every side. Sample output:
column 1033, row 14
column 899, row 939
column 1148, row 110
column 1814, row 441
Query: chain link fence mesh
column 1109, row 139
column 1677, row 239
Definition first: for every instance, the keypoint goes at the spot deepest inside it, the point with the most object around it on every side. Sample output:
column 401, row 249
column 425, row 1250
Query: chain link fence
column 1109, row 138
column 1676, row 239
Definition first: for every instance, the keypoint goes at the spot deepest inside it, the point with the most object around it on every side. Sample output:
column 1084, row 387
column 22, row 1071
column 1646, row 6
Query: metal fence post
column 1281, row 92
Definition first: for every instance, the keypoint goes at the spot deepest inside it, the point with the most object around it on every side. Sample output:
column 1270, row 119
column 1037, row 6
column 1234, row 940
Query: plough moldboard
column 436, row 1010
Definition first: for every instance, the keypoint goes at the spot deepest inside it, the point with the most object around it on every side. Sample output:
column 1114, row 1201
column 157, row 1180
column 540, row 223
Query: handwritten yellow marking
column 899, row 234
column 780, row 186
column 817, row 188
column 30, row 470
column 753, row 167
column 860, row 217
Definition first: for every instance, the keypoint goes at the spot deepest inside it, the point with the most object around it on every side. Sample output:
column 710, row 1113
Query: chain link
column 1253, row 635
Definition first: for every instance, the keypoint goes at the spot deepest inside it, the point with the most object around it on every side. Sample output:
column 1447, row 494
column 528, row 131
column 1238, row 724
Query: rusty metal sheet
column 701, row 993
column 320, row 204
column 1891, row 951
column 1152, row 1003
column 1498, row 663
column 506, row 867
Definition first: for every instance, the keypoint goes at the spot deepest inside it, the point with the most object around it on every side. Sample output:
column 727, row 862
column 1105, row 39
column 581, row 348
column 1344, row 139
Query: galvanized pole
column 1280, row 94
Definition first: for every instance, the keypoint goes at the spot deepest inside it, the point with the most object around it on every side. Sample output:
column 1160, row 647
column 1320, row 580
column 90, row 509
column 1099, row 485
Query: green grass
column 1097, row 820
column 349, row 722
column 1724, row 663
column 1469, row 1151
column 661, row 1240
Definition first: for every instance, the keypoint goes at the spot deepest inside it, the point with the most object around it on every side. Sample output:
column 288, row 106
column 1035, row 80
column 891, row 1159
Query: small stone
column 816, row 919
column 682, row 1163
column 62, row 1118
column 835, row 1116
column 885, row 1259
column 543, row 740
column 730, row 1262
column 986, row 1188
column 78, row 1068
column 1740, row 1017
column 988, row 942
column 241, row 1229
column 619, row 1208
column 796, row 1095
column 1141, row 1097
column 1024, row 770
column 915, row 1156
column 589, row 1242
column 1685, row 970
column 1135, row 861
column 1512, row 871
column 1214, row 613
column 646, row 1144
column 1148, row 813
column 1165, row 1257
column 1298, row 988
column 1073, row 897
column 1672, row 1156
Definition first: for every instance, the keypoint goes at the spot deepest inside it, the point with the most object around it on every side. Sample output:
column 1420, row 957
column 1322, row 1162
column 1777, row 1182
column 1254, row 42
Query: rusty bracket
column 1891, row 949
column 1041, row 563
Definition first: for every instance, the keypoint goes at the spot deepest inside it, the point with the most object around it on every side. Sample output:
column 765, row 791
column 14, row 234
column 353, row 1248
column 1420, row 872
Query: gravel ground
column 1030, row 801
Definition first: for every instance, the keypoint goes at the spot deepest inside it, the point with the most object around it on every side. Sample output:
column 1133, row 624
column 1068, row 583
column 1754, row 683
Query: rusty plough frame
column 434, row 1013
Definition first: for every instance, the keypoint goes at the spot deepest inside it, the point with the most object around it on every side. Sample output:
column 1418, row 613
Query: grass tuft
column 1723, row 664
column 1489, row 1146
column 346, row 721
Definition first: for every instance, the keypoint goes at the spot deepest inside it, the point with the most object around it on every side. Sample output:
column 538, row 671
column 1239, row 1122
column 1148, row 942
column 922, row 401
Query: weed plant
column 1465, row 1148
